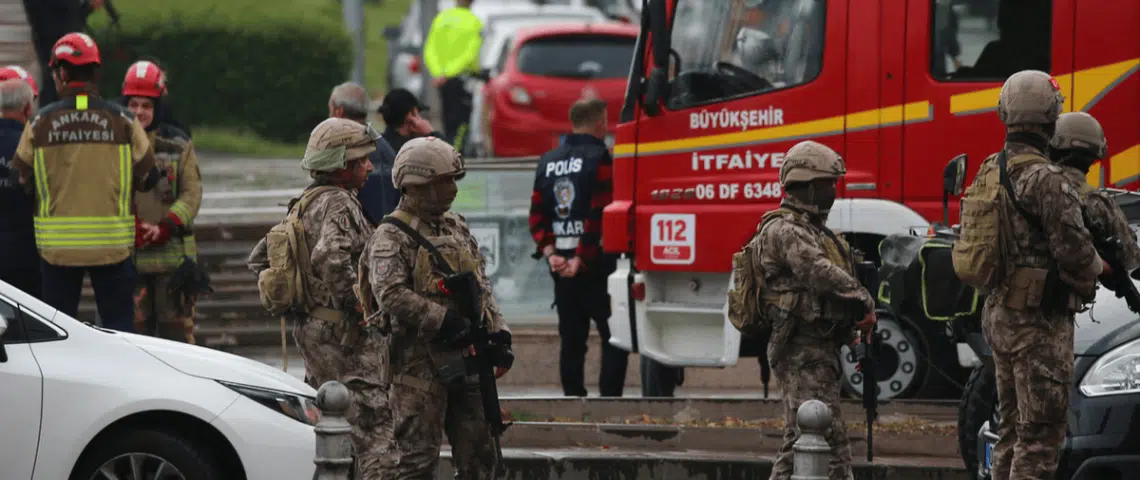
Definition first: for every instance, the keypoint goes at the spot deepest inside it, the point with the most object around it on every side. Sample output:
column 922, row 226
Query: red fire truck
column 719, row 89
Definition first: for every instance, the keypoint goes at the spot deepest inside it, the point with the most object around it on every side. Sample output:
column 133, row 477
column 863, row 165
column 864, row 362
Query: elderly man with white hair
column 20, row 264
column 378, row 197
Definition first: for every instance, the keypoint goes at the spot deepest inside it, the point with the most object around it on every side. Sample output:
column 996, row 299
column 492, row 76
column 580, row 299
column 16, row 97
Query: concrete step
column 638, row 464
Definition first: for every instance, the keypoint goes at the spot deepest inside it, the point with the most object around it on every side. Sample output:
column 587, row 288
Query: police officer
column 378, row 196
column 450, row 52
column 1079, row 142
column 420, row 326
column 170, row 208
column 1053, row 267
column 809, row 278
column 572, row 184
column 20, row 264
column 87, row 154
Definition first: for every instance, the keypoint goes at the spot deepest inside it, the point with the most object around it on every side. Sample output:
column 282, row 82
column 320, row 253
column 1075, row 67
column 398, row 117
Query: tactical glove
column 455, row 331
column 499, row 352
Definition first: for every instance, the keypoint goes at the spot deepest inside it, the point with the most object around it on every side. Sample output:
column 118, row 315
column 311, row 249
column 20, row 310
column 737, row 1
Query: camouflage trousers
column 811, row 371
column 1033, row 360
column 160, row 313
column 357, row 365
column 421, row 410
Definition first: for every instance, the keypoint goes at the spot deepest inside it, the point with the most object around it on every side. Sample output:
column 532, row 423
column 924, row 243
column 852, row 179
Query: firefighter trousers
column 160, row 312
column 113, row 285
column 579, row 300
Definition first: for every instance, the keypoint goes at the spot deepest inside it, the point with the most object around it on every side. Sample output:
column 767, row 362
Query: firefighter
column 572, row 185
column 83, row 156
column 164, row 307
column 451, row 52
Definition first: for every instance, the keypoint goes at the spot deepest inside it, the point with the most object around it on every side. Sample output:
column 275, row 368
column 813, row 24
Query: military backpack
column 745, row 293
column 979, row 255
column 282, row 286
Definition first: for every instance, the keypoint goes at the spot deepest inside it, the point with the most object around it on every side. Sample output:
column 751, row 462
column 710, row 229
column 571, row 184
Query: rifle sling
column 436, row 257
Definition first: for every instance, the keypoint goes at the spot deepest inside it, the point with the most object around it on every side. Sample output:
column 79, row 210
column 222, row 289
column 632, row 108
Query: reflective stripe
column 85, row 232
column 42, row 190
column 566, row 243
column 174, row 184
column 94, row 232
column 81, row 102
column 180, row 210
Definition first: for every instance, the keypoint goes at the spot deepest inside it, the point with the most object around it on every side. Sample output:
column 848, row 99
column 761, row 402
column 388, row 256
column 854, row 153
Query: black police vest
column 565, row 178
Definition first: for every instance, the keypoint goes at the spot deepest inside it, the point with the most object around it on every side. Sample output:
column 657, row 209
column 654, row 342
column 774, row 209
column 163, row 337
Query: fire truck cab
column 720, row 89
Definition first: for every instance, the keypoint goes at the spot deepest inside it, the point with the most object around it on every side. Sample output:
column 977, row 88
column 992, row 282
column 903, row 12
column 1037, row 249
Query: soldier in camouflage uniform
column 419, row 326
column 1051, row 271
column 812, row 295
column 1078, row 143
column 336, row 232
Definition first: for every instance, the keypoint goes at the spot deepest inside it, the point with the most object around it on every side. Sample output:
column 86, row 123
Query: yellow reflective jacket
column 452, row 46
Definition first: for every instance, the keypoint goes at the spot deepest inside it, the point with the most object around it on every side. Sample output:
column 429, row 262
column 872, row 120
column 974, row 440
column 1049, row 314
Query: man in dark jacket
column 50, row 20
column 572, row 184
column 377, row 196
column 20, row 263
column 401, row 113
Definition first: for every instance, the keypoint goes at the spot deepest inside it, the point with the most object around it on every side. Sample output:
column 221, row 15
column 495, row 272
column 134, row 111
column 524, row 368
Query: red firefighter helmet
column 12, row 72
column 76, row 49
column 144, row 79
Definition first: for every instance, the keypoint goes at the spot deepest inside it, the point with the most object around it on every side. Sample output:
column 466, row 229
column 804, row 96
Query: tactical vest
column 566, row 184
column 83, row 177
column 154, row 205
column 812, row 316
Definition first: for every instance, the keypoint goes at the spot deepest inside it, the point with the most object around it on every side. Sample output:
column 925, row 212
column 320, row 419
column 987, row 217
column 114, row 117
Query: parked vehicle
column 719, row 90
column 82, row 402
column 1102, row 439
column 545, row 71
column 406, row 40
column 498, row 38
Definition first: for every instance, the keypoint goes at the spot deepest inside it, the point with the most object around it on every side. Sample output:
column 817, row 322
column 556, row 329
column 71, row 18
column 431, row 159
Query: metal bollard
column 812, row 452
column 334, row 435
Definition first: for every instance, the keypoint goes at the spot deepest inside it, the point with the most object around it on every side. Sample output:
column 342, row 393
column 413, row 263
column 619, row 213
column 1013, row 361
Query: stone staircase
column 16, row 38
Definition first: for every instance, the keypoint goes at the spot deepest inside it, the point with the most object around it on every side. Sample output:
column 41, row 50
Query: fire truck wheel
column 657, row 379
column 901, row 368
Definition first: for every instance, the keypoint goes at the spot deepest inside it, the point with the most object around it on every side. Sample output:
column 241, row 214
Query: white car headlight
column 1116, row 372
column 292, row 405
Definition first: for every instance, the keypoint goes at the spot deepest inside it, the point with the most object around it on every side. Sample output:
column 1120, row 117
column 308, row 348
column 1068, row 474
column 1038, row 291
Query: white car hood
column 216, row 365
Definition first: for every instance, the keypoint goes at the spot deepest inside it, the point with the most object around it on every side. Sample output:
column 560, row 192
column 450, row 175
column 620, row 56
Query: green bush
column 267, row 67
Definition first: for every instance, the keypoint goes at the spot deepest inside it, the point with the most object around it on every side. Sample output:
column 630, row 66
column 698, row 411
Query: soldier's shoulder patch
column 385, row 247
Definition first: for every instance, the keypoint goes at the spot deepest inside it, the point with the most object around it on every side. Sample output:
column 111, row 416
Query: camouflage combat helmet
column 808, row 161
column 1030, row 97
column 334, row 142
column 1079, row 130
column 422, row 160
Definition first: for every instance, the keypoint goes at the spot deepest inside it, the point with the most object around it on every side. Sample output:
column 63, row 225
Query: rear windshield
column 577, row 56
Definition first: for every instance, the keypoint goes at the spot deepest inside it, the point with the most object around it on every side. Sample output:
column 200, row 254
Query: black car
column 1103, row 438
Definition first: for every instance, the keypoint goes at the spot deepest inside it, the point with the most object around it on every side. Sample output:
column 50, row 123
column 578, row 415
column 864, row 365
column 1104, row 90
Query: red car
column 547, row 69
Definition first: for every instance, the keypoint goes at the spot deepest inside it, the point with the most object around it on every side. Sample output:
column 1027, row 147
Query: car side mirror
column 954, row 175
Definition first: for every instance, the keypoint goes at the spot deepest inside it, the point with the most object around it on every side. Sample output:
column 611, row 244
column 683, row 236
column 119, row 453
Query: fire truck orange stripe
column 1091, row 85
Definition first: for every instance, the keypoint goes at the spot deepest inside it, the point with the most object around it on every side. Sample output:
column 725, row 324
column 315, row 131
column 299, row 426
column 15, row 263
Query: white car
column 84, row 403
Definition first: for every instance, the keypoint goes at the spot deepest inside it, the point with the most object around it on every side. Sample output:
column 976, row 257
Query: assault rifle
column 865, row 351
column 464, row 288
column 1111, row 250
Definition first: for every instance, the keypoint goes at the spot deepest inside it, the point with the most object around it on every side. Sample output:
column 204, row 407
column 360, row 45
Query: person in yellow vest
column 84, row 156
column 162, row 310
column 450, row 52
